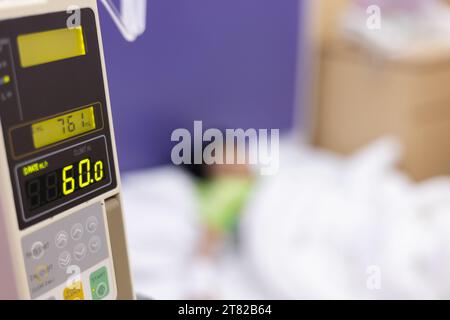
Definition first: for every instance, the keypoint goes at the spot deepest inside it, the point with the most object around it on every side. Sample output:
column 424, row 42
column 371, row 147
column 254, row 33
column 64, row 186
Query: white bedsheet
column 317, row 229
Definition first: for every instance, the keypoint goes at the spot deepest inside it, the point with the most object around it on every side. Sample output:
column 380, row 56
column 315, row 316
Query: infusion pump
column 61, row 227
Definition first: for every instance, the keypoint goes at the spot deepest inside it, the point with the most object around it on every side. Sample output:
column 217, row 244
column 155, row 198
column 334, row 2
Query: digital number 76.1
column 67, row 124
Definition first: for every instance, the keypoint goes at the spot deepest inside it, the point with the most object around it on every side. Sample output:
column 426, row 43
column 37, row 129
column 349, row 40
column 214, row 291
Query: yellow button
column 74, row 291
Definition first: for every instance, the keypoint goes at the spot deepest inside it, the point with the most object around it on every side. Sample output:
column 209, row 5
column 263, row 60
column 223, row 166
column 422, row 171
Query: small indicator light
column 5, row 80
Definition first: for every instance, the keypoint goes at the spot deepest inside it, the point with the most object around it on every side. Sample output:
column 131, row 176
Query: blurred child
column 222, row 193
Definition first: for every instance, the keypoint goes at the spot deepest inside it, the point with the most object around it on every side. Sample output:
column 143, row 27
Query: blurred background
column 360, row 207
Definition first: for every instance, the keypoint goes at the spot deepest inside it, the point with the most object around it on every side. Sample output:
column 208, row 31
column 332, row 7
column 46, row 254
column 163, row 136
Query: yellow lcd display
column 50, row 46
column 60, row 128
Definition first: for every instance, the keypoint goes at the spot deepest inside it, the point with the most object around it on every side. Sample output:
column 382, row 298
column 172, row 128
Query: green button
column 99, row 283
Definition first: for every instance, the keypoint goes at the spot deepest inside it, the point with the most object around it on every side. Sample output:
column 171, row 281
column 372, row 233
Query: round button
column 64, row 260
column 94, row 244
column 61, row 239
column 41, row 273
column 77, row 231
column 101, row 290
column 37, row 250
column 79, row 252
column 91, row 224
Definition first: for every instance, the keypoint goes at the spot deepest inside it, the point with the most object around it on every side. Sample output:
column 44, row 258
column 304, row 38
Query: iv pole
column 131, row 19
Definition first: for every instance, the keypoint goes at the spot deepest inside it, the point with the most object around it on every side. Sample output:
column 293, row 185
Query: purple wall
column 230, row 63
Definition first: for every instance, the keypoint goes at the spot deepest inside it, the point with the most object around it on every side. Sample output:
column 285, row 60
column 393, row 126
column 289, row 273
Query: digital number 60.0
column 84, row 175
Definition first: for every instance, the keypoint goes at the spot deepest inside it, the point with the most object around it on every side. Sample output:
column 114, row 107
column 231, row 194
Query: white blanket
column 323, row 227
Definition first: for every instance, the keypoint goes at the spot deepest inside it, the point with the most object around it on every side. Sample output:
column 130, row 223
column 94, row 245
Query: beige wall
column 323, row 16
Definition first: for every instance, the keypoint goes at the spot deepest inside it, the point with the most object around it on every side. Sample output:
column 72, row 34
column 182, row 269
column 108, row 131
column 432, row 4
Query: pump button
column 94, row 244
column 61, row 239
column 41, row 273
column 37, row 250
column 79, row 252
column 77, row 231
column 74, row 291
column 99, row 283
column 91, row 224
column 64, row 260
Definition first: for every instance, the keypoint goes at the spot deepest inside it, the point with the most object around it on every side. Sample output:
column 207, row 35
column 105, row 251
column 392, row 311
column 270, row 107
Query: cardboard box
column 363, row 96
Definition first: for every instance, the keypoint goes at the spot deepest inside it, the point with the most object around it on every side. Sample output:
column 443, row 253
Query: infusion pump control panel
column 60, row 212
